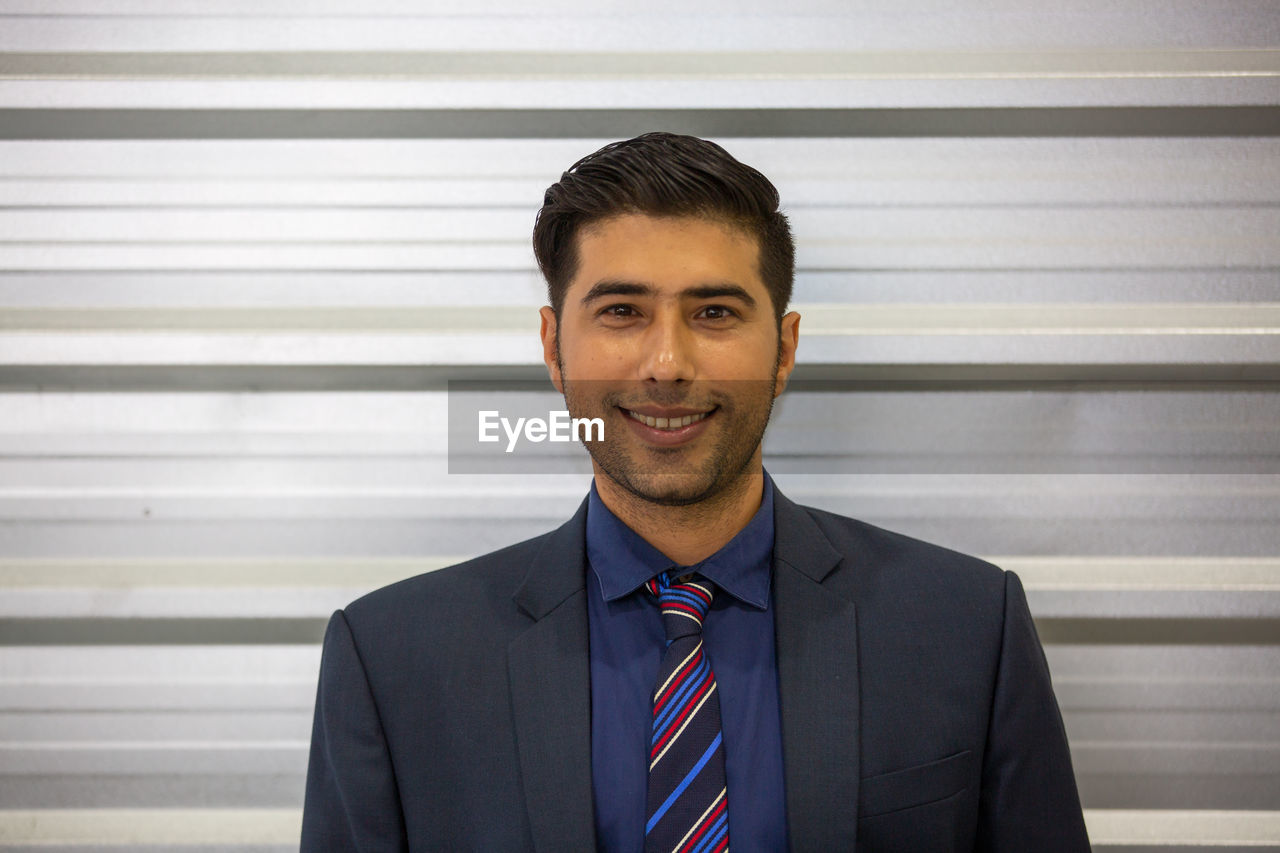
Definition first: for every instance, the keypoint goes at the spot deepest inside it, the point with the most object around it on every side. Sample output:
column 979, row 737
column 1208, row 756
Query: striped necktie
column 686, row 805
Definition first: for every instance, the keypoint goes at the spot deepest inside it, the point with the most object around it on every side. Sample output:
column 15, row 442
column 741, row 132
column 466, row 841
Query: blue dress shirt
column 627, row 643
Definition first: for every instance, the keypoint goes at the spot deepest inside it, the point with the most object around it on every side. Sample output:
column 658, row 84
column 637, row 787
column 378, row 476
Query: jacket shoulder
column 458, row 591
column 873, row 556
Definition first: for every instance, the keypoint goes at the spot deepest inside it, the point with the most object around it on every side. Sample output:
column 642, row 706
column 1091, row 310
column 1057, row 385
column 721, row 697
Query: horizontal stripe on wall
column 579, row 25
column 551, row 123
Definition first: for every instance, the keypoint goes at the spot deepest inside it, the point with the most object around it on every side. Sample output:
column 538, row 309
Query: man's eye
column 717, row 312
column 619, row 311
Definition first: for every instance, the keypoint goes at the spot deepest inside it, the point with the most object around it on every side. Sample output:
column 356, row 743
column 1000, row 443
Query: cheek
column 743, row 360
column 592, row 359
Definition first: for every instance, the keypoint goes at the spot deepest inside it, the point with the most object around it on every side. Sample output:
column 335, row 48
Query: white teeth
column 667, row 423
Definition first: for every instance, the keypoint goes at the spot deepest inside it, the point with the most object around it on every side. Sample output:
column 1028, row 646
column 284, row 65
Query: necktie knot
column 684, row 603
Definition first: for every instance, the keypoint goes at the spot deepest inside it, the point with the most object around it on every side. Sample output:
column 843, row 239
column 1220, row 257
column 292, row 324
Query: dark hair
column 662, row 174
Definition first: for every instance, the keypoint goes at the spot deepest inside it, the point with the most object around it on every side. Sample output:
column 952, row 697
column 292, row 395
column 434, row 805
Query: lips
column 669, row 423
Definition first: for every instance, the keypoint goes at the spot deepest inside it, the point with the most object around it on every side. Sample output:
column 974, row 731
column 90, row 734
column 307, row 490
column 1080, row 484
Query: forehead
column 666, row 251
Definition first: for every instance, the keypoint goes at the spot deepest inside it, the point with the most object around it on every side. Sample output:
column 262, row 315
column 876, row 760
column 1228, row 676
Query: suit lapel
column 550, row 677
column 816, row 632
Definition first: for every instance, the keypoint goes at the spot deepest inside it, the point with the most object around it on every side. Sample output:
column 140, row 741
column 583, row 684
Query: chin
column 686, row 496
column 687, row 485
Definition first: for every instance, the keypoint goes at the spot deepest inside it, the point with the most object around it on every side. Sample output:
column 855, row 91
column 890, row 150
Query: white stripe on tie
column 697, row 823
column 682, row 613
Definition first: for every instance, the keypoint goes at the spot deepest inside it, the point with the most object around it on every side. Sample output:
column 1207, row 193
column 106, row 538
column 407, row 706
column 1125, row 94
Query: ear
column 550, row 353
column 789, row 339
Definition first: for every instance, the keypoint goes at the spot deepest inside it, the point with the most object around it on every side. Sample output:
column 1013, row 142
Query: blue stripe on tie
column 679, row 593
column 714, row 834
column 706, row 756
column 692, row 599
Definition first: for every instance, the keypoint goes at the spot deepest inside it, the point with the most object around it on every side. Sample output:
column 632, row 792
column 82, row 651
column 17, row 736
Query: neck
column 688, row 534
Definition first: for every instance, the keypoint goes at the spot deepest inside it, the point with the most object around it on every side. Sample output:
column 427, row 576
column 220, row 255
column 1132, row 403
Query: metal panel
column 244, row 246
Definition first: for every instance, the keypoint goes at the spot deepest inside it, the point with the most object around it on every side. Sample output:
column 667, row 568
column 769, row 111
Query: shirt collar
column 622, row 560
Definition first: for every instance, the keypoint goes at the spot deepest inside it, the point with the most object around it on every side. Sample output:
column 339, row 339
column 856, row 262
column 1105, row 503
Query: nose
column 668, row 350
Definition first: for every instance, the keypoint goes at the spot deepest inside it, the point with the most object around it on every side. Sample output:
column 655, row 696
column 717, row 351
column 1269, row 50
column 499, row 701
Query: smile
column 666, row 423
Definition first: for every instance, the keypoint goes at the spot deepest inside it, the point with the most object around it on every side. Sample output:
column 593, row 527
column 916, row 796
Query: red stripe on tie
column 677, row 681
column 706, row 824
column 722, row 846
column 678, row 605
column 674, row 725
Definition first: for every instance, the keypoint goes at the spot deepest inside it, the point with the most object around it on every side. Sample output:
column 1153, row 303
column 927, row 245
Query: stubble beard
column 676, row 476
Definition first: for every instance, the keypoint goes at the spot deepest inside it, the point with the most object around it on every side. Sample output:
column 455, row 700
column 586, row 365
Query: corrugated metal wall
column 244, row 246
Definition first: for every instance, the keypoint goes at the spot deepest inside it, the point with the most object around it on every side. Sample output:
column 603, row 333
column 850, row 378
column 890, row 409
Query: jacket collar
column 558, row 571
column 799, row 542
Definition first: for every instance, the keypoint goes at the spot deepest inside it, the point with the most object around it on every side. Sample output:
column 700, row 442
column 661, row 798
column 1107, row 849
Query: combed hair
column 662, row 174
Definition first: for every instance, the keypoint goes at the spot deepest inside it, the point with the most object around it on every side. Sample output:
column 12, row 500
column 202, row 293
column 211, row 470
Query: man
column 692, row 661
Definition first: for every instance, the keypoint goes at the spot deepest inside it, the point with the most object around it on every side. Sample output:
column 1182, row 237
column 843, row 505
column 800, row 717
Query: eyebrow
column 719, row 291
column 601, row 289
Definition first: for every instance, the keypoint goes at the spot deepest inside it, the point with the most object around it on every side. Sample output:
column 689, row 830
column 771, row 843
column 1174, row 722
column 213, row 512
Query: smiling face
column 667, row 333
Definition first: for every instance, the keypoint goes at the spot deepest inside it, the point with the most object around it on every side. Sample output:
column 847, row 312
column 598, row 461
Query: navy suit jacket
column 454, row 712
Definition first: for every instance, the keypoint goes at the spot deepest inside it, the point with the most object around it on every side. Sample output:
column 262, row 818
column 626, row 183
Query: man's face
column 667, row 333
